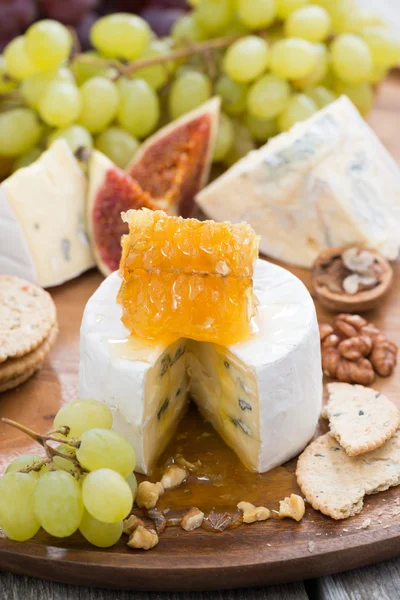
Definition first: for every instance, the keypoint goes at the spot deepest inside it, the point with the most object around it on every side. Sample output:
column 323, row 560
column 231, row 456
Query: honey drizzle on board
column 222, row 481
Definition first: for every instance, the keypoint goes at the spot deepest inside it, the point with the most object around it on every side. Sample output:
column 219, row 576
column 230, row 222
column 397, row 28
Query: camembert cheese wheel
column 263, row 395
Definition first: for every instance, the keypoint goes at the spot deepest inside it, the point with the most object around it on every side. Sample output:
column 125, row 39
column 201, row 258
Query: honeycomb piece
column 187, row 278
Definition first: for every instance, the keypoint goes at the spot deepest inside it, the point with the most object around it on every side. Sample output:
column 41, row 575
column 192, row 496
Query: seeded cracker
column 27, row 314
column 15, row 367
column 360, row 418
column 336, row 484
column 10, row 384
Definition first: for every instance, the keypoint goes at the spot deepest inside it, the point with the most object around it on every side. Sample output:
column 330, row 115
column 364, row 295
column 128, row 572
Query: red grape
column 15, row 16
column 69, row 12
column 161, row 20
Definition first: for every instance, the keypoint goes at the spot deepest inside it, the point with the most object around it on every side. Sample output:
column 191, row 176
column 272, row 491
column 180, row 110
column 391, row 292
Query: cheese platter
column 215, row 555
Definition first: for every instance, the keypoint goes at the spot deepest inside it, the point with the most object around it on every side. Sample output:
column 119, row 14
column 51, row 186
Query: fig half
column 174, row 164
column 167, row 172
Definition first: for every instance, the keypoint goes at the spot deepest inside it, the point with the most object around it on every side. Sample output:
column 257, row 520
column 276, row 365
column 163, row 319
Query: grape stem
column 184, row 52
column 43, row 441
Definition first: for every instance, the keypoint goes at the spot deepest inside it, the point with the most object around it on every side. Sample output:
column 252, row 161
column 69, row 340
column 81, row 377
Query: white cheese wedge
column 263, row 395
column 328, row 182
column 42, row 220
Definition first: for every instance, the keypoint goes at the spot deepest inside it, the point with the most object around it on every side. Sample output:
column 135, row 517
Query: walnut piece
column 193, row 519
column 384, row 356
column 353, row 350
column 143, row 538
column 252, row 513
column 148, row 494
column 293, row 507
column 173, row 477
column 158, row 518
column 131, row 523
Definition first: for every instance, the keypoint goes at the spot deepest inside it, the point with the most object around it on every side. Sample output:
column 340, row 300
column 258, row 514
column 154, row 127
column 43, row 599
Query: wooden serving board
column 270, row 552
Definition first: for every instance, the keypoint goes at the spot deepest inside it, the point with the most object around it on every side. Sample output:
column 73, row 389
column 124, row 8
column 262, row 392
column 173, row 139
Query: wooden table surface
column 379, row 582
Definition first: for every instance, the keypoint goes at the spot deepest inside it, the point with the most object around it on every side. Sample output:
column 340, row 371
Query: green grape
column 256, row 14
column 6, row 83
column 340, row 11
column 157, row 75
column 23, row 461
column 105, row 448
column 17, row 515
column 233, row 95
column 293, row 58
column 187, row 29
column 361, row 95
column 107, row 496
column 76, row 137
column 360, row 18
column 58, row 503
column 27, row 158
column 351, row 58
column 268, row 97
column 189, row 90
column 261, row 129
column 20, row 130
column 377, row 74
column 120, row 35
column 119, row 145
column 102, row 535
column 17, row 61
column 214, row 15
column 33, row 88
column 225, row 137
column 246, row 59
column 321, row 95
column 299, row 108
column 311, row 23
column 60, row 104
column 384, row 46
column 133, row 484
column 139, row 107
column 48, row 44
column 82, row 415
column 235, row 27
column 83, row 71
column 320, row 70
column 242, row 144
column 99, row 104
column 286, row 7
column 60, row 463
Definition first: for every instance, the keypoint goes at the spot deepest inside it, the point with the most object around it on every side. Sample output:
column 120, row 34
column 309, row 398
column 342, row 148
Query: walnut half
column 143, row 538
column 148, row 494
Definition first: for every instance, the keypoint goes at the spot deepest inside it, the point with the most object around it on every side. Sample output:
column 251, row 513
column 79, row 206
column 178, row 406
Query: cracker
column 27, row 314
column 16, row 381
column 336, row 484
column 360, row 418
column 13, row 367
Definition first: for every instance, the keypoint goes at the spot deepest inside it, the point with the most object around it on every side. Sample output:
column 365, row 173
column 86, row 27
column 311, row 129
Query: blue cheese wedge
column 262, row 395
column 42, row 228
column 328, row 182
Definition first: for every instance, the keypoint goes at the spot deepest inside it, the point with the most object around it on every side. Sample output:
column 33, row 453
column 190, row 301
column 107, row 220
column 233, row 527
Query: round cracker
column 27, row 314
column 16, row 381
column 14, row 367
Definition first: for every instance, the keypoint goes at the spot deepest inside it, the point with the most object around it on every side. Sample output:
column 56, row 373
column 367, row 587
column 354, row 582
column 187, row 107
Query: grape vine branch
column 44, row 440
column 184, row 52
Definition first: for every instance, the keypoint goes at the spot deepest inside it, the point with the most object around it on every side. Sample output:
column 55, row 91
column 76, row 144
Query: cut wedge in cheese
column 328, row 182
column 42, row 220
column 262, row 395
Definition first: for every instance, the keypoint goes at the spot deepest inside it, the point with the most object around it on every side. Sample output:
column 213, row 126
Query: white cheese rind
column 328, row 182
column 283, row 358
column 42, row 220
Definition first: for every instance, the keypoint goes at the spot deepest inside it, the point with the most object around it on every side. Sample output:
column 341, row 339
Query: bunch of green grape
column 94, row 492
column 283, row 61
